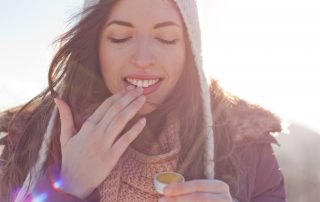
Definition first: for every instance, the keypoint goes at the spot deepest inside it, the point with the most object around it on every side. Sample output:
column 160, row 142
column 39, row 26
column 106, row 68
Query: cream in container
column 163, row 179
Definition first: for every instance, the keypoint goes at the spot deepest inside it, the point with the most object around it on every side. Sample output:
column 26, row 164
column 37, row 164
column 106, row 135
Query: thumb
column 66, row 118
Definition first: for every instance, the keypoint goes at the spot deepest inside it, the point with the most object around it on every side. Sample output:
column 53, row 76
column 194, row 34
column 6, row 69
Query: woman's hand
column 89, row 156
column 197, row 190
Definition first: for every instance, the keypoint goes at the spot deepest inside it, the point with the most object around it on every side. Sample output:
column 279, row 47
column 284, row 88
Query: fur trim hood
column 245, row 121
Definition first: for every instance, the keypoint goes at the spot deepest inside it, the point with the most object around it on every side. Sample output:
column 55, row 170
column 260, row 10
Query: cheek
column 177, row 64
column 112, row 59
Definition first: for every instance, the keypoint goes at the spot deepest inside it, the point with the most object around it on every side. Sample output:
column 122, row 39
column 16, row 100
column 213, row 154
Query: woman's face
column 143, row 44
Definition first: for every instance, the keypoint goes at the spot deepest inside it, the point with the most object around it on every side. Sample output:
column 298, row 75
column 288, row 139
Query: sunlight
column 271, row 59
column 264, row 51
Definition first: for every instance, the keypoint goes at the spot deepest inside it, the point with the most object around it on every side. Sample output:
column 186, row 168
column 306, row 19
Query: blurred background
column 267, row 52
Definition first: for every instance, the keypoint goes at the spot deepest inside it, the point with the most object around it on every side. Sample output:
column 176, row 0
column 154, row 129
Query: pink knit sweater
column 132, row 177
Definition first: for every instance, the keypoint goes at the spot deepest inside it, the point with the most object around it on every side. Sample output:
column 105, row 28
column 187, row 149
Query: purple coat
column 261, row 179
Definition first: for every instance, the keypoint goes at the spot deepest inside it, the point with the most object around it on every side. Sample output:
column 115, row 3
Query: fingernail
column 142, row 99
column 142, row 121
column 131, row 87
column 55, row 101
column 166, row 191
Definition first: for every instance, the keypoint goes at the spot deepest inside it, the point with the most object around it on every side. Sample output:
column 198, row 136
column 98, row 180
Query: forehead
column 145, row 11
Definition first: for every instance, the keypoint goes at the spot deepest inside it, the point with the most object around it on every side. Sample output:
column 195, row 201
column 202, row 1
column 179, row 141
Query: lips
column 149, row 83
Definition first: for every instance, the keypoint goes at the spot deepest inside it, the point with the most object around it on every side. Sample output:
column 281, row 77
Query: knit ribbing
column 188, row 9
column 189, row 12
column 132, row 178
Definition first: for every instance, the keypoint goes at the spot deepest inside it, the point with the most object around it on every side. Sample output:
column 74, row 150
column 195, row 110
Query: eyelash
column 118, row 41
column 172, row 42
column 113, row 40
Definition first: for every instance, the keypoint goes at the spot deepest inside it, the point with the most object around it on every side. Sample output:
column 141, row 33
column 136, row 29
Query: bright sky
column 267, row 52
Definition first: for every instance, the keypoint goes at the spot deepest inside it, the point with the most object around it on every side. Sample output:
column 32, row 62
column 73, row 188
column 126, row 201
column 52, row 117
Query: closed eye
column 122, row 40
column 169, row 42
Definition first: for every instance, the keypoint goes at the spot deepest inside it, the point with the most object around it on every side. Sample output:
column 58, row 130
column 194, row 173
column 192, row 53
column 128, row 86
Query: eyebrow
column 128, row 24
column 118, row 22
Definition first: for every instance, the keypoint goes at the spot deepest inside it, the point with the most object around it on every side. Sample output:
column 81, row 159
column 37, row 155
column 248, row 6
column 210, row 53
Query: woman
column 133, row 101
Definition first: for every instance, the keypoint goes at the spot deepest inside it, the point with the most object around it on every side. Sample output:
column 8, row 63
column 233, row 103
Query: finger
column 66, row 118
column 121, row 145
column 116, row 108
column 121, row 119
column 197, row 197
column 102, row 109
column 202, row 185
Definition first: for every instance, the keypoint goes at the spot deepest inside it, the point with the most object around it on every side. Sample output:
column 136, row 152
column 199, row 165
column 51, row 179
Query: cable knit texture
column 132, row 177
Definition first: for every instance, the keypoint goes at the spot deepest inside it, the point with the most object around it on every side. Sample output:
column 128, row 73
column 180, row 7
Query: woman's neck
column 146, row 141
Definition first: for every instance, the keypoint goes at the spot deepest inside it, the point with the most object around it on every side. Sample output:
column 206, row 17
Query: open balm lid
column 161, row 180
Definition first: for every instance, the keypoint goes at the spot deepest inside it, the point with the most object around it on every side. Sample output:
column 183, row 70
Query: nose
column 143, row 56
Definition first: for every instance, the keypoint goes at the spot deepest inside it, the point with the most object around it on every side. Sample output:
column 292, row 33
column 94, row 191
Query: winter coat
column 252, row 129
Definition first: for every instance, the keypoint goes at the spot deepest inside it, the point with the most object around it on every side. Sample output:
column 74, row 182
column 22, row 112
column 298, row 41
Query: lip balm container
column 163, row 179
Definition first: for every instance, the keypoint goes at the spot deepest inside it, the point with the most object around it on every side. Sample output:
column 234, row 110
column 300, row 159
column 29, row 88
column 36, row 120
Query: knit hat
column 189, row 12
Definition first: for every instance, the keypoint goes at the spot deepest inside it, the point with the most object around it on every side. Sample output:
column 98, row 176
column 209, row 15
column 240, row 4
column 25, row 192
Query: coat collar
column 245, row 121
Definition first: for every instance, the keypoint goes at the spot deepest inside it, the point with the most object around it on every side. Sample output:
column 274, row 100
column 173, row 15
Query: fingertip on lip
column 130, row 87
column 139, row 88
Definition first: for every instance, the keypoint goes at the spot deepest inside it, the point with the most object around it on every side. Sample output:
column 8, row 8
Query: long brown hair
column 75, row 73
